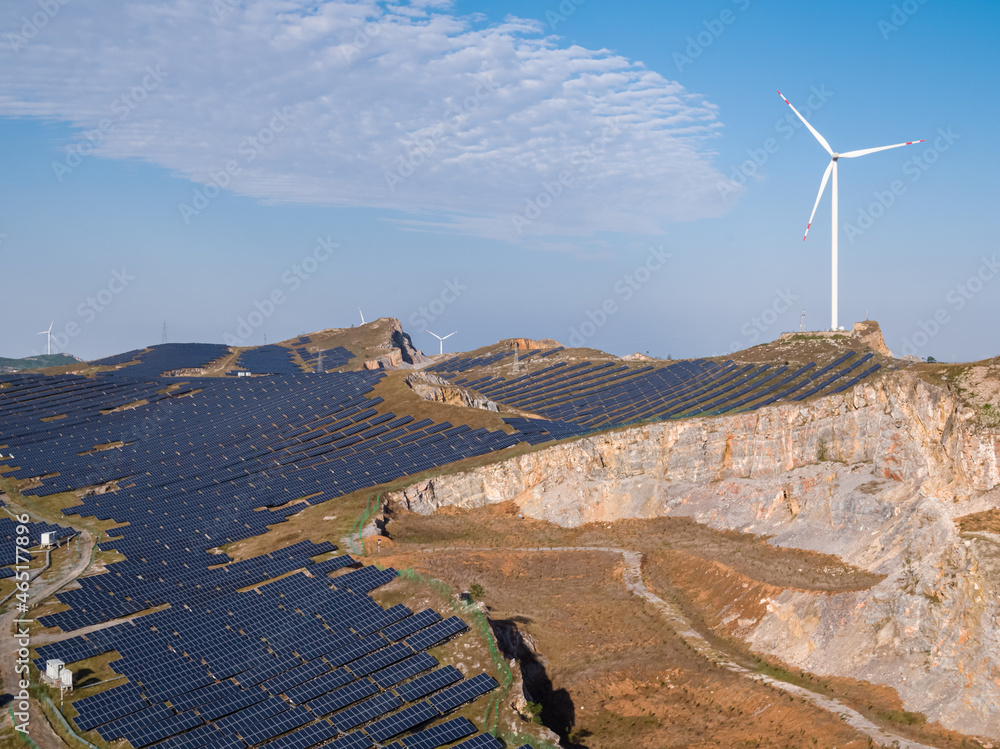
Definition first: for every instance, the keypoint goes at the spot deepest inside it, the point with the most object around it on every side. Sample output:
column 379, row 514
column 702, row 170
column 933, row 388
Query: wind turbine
column 442, row 340
column 362, row 316
column 832, row 169
column 48, row 339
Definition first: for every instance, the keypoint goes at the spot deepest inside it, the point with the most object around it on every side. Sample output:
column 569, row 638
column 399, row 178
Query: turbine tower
column 48, row 337
column 442, row 340
column 832, row 169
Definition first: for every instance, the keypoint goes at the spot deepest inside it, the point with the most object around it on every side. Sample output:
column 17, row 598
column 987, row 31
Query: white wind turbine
column 362, row 316
column 48, row 339
column 442, row 340
column 832, row 168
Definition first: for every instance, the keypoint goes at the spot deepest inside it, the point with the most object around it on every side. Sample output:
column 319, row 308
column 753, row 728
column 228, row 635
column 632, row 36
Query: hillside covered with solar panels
column 235, row 596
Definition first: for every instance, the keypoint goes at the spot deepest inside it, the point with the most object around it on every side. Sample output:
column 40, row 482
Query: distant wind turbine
column 832, row 169
column 48, row 337
column 442, row 340
column 362, row 316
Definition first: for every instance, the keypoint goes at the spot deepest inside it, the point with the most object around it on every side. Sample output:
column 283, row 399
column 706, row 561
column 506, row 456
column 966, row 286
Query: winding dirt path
column 677, row 621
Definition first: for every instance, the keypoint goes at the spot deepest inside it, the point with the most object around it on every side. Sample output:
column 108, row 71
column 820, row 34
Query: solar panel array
column 283, row 650
column 333, row 358
column 286, row 660
column 576, row 399
column 165, row 357
column 280, row 649
column 267, row 360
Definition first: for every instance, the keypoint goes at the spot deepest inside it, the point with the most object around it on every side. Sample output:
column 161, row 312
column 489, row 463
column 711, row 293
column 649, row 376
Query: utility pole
column 517, row 364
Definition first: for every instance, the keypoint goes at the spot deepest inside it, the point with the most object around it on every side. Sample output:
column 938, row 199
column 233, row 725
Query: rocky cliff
column 433, row 388
column 876, row 475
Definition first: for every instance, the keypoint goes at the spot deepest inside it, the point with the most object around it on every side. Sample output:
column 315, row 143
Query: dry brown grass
column 988, row 521
column 710, row 594
column 620, row 677
column 399, row 398
column 498, row 526
column 613, row 674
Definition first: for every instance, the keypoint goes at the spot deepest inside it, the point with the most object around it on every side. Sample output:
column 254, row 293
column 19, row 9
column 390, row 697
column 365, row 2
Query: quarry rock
column 433, row 388
column 876, row 475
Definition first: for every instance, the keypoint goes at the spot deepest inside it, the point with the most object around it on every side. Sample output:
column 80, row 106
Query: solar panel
column 306, row 737
column 404, row 720
column 437, row 633
column 482, row 741
column 365, row 711
column 406, row 668
column 439, row 735
column 327, row 703
column 424, row 685
column 463, row 692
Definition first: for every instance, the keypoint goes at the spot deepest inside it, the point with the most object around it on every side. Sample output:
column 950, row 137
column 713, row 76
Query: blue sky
column 621, row 174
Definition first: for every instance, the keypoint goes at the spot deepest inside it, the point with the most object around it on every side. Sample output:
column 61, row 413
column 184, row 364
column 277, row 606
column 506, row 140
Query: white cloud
column 402, row 106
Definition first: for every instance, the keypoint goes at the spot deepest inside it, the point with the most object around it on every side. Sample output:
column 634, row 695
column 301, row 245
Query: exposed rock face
column 392, row 360
column 870, row 334
column 433, row 388
column 401, row 351
column 875, row 475
column 401, row 340
column 527, row 344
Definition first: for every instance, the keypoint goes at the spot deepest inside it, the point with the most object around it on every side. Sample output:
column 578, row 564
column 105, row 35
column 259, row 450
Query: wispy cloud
column 507, row 108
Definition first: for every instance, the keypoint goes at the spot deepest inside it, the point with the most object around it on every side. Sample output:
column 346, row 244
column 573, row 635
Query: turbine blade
column 822, row 187
column 820, row 138
column 866, row 151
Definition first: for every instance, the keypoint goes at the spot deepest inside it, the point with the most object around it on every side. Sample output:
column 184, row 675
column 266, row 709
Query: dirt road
column 676, row 620
column 40, row 731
